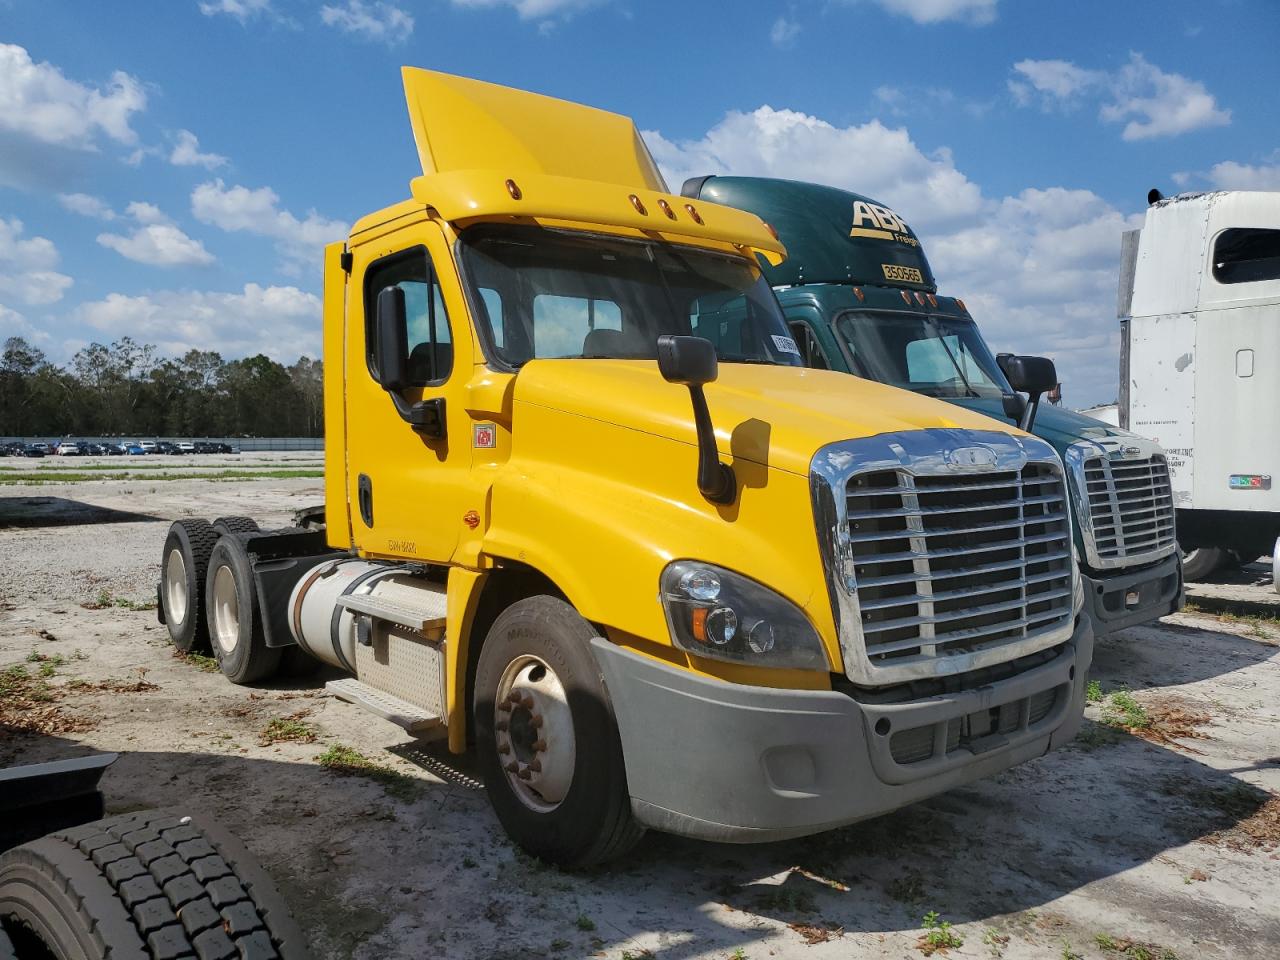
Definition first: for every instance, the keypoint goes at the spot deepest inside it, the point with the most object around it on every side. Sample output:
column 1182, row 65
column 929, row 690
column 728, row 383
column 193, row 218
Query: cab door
column 408, row 449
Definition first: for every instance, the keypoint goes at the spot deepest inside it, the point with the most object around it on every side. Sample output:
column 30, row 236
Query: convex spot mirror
column 1033, row 375
column 690, row 361
column 391, row 348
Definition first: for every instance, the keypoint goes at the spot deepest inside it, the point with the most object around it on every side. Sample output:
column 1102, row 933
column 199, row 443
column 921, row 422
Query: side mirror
column 689, row 361
column 391, row 344
column 1033, row 376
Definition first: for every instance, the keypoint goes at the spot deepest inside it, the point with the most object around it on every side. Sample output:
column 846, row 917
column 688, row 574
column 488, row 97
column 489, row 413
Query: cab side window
column 430, row 356
column 811, row 352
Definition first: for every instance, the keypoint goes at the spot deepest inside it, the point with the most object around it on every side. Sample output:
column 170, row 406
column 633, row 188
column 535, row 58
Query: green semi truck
column 859, row 297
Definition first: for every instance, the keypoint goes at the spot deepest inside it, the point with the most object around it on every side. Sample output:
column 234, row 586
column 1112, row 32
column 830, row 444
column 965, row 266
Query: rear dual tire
column 234, row 620
column 184, row 566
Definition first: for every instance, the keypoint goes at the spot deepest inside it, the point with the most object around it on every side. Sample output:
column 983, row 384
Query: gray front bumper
column 731, row 762
column 1125, row 599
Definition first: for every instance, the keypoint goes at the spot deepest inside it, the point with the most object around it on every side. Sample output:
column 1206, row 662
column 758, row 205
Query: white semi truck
column 1199, row 304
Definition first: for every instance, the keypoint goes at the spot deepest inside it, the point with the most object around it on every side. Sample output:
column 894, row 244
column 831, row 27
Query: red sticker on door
column 484, row 436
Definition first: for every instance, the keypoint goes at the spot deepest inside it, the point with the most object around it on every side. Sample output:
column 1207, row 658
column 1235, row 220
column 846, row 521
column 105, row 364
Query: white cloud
column 258, row 211
column 534, row 9
column 1149, row 101
column 14, row 324
column 937, row 11
column 86, row 205
column 39, row 102
column 1059, row 82
column 242, row 10
column 1230, row 175
column 277, row 321
column 383, row 22
column 1038, row 270
column 186, row 153
column 158, row 245
column 783, row 33
column 926, row 189
column 27, row 271
column 146, row 212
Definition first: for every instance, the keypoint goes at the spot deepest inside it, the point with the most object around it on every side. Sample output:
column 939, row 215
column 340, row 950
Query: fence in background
column 243, row 444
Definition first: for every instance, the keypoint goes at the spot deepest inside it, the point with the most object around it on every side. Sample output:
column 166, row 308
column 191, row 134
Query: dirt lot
column 1156, row 835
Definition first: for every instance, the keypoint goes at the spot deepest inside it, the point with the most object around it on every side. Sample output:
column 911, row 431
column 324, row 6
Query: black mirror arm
column 716, row 480
column 1029, row 411
column 425, row 416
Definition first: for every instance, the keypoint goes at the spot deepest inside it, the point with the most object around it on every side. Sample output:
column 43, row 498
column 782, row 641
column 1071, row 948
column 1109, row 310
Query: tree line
column 127, row 389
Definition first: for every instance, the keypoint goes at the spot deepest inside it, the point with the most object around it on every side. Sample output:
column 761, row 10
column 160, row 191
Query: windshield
column 554, row 294
column 936, row 356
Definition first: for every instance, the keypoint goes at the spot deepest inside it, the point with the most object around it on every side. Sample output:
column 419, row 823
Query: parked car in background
column 212, row 446
column 148, row 446
column 165, row 447
column 113, row 449
column 70, row 448
column 135, row 449
column 186, row 446
column 93, row 449
column 35, row 450
column 14, row 448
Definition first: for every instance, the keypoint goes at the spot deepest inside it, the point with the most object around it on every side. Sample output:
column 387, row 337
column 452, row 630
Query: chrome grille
column 1124, row 500
column 946, row 551
column 1130, row 506
column 951, row 562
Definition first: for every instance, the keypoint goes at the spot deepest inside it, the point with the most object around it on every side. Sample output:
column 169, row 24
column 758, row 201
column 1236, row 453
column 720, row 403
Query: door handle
column 364, row 494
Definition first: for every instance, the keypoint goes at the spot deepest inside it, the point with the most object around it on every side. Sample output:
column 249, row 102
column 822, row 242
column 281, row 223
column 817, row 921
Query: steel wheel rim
column 226, row 610
column 175, row 585
column 533, row 733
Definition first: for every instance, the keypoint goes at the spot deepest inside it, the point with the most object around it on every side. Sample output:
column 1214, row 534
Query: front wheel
column 1202, row 562
column 547, row 739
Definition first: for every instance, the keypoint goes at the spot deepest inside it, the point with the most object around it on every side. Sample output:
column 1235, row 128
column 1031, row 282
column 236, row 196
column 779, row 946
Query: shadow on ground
column 61, row 512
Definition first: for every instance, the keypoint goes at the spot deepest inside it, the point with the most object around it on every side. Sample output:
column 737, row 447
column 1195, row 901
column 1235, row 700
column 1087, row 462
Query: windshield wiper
column 937, row 332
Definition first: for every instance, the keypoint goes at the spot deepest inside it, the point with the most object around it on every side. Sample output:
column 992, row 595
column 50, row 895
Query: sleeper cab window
column 1246, row 255
column 430, row 358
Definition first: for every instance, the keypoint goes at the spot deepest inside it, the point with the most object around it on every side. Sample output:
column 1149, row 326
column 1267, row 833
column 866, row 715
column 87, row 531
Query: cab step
column 428, row 615
column 413, row 719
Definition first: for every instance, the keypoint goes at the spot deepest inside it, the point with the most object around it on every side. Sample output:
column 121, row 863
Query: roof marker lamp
column 714, row 612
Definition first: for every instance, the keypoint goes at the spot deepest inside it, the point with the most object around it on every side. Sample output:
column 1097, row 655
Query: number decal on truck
column 894, row 272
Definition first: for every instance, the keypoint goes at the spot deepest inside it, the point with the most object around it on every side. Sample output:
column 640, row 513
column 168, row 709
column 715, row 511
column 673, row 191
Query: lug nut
column 511, row 767
column 514, row 698
column 504, row 748
column 525, row 775
column 535, row 765
column 501, row 725
column 527, row 702
column 539, row 746
column 537, row 720
column 504, row 707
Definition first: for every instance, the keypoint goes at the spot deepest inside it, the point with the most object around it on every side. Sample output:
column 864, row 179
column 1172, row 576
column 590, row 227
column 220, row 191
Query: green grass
column 198, row 660
column 38, row 477
column 1093, row 692
column 585, row 923
column 1122, row 710
column 938, row 934
column 104, row 599
column 283, row 729
column 349, row 762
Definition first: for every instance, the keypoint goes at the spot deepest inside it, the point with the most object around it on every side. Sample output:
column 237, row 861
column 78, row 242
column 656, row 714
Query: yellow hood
column 772, row 415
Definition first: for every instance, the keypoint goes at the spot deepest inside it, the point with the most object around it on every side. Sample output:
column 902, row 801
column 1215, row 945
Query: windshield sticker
column 894, row 272
column 786, row 344
column 880, row 223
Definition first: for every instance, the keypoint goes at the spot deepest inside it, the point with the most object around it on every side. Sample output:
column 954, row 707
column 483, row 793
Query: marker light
column 933, row 301
column 960, row 304
column 693, row 212
column 666, row 208
column 906, row 297
column 919, row 298
column 514, row 190
column 857, row 292
column 635, row 202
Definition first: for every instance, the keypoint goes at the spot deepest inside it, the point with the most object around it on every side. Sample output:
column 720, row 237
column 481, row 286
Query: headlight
column 713, row 612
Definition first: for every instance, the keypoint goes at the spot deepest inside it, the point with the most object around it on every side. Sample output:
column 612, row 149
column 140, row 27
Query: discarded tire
column 183, row 567
column 236, row 525
column 145, row 886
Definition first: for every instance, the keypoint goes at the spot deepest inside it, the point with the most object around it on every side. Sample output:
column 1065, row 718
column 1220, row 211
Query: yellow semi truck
column 588, row 515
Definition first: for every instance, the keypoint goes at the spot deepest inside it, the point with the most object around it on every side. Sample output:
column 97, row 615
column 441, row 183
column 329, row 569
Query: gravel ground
column 1160, row 838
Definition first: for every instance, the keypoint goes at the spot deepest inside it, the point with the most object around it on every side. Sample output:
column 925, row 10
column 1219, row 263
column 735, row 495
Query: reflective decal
column 1250, row 481
column 484, row 436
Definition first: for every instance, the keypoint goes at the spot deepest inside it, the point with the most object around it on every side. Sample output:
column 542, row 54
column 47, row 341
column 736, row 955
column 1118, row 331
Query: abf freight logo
column 880, row 223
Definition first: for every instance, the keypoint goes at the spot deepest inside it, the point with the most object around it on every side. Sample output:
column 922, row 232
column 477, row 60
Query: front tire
column 235, row 624
column 1202, row 562
column 183, row 568
column 546, row 737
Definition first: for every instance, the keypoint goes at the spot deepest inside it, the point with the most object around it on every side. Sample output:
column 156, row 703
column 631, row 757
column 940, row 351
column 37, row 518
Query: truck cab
column 650, row 568
column 860, row 297
column 1199, row 310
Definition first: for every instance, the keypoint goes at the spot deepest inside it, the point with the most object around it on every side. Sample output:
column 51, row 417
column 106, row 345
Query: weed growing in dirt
column 104, row 600
column 938, row 936
column 290, row 728
column 347, row 761
column 908, row 888
column 1122, row 710
column 1133, row 949
column 585, row 923
column 1093, row 692
column 198, row 660
column 995, row 940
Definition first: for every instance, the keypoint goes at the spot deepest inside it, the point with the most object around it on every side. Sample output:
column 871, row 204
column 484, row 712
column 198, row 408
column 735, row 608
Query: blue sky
column 169, row 169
